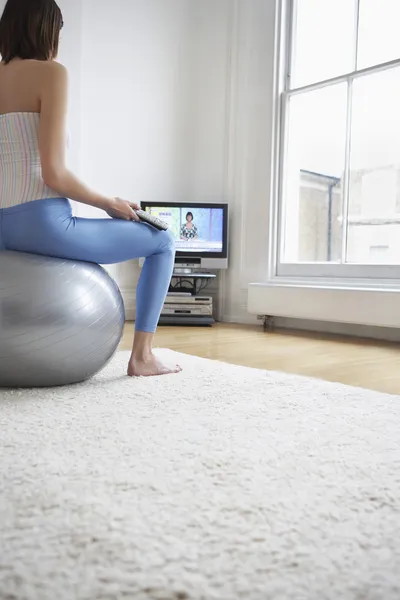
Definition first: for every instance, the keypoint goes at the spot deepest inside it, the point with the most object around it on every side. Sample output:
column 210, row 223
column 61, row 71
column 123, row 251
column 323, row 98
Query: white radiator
column 380, row 308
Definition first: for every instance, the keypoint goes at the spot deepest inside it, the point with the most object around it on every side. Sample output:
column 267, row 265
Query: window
column 339, row 171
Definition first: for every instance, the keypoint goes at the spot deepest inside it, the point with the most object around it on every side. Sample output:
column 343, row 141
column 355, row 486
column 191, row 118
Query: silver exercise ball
column 60, row 320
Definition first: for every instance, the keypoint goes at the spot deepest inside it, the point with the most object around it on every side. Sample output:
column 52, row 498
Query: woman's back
column 20, row 165
column 19, row 85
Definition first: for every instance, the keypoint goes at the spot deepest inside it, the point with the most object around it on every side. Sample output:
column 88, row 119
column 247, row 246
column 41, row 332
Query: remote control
column 154, row 221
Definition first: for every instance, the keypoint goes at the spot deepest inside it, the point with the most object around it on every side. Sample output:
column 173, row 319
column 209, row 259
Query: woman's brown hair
column 30, row 29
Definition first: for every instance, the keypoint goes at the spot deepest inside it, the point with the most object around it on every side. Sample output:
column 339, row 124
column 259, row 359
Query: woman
column 35, row 213
column 189, row 229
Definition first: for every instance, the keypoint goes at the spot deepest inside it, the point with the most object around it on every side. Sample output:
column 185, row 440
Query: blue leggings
column 48, row 227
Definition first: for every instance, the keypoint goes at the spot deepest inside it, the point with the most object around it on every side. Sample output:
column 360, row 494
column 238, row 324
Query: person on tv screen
column 189, row 229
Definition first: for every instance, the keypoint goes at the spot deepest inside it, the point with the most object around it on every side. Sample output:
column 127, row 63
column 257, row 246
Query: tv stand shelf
column 195, row 275
column 186, row 320
column 189, row 285
column 192, row 279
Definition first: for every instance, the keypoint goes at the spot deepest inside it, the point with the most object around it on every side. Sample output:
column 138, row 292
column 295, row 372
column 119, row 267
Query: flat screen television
column 200, row 231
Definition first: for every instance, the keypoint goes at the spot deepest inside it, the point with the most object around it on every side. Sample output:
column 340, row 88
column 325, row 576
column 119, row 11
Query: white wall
column 177, row 105
column 154, row 83
column 153, row 103
column 250, row 131
column 70, row 55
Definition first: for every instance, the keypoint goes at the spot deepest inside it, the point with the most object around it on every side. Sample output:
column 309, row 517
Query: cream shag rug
column 221, row 482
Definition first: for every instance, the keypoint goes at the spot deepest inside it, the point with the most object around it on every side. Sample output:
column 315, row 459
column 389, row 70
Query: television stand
column 184, row 305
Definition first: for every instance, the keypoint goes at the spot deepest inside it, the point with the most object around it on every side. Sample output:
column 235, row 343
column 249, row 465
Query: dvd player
column 187, row 310
column 188, row 300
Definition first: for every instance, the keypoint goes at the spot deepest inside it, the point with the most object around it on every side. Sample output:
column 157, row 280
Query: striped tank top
column 20, row 168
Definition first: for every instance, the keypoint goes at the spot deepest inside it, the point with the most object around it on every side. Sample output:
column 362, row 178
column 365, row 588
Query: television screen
column 196, row 229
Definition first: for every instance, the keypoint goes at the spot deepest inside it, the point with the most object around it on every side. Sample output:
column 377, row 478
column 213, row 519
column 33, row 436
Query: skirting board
column 129, row 298
column 371, row 307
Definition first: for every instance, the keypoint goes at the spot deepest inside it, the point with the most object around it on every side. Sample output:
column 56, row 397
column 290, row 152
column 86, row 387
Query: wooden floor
column 365, row 363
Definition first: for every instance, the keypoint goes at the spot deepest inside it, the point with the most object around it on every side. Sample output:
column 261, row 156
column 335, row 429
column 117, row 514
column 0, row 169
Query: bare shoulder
column 50, row 71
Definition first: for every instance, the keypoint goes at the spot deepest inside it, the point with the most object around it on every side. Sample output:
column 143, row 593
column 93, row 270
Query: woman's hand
column 122, row 209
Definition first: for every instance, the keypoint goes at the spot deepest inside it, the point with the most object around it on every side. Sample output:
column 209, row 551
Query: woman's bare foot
column 149, row 367
column 143, row 363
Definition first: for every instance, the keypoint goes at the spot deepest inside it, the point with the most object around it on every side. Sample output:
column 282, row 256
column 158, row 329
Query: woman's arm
column 52, row 146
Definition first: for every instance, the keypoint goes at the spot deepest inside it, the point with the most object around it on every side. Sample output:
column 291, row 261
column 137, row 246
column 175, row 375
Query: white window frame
column 331, row 274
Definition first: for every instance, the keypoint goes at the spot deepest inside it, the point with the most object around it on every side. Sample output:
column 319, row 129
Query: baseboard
column 386, row 334
column 244, row 319
column 129, row 298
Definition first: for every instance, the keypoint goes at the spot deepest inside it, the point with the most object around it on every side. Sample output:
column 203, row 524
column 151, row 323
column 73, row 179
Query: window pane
column 314, row 165
column 374, row 200
column 324, row 40
column 378, row 38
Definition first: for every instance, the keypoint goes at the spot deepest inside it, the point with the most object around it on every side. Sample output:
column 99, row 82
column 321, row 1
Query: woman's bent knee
column 168, row 240
column 157, row 242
